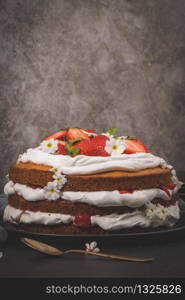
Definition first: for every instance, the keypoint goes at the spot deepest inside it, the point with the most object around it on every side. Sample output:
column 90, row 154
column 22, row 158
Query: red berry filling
column 165, row 190
column 82, row 221
column 125, row 192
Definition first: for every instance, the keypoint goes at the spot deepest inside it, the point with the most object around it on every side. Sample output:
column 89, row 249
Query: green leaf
column 112, row 131
column 73, row 141
column 75, row 151
column 72, row 151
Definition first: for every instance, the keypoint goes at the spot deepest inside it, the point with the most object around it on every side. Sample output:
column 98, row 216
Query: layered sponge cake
column 80, row 182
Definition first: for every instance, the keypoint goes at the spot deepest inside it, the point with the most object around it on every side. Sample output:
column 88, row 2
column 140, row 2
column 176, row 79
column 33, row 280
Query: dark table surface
column 168, row 251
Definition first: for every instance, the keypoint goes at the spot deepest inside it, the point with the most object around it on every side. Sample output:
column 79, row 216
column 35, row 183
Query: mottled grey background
column 93, row 64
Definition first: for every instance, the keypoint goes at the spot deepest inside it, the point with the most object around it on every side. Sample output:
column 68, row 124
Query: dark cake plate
column 119, row 237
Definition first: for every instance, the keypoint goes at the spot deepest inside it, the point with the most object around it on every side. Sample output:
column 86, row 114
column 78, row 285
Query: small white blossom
column 161, row 211
column 115, row 147
column 151, row 210
column 51, row 191
column 156, row 210
column 49, row 146
column 56, row 170
column 60, row 180
column 91, row 247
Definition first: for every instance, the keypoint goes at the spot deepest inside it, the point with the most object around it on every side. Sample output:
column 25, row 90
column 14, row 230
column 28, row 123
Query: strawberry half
column 60, row 135
column 61, row 148
column 89, row 130
column 82, row 221
column 100, row 140
column 86, row 147
column 89, row 148
column 134, row 146
column 74, row 133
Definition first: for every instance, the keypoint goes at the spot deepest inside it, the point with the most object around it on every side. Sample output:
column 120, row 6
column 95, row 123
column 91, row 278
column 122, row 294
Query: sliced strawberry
column 134, row 146
column 60, row 135
column 171, row 186
column 62, row 148
column 82, row 221
column 74, row 133
column 165, row 190
column 98, row 151
column 89, row 130
column 89, row 148
column 85, row 146
column 100, row 140
column 125, row 192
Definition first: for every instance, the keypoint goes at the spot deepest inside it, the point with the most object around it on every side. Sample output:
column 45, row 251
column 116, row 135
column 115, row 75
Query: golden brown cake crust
column 68, row 207
column 39, row 175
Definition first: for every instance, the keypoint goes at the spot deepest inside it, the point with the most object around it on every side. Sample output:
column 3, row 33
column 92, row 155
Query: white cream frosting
column 16, row 216
column 99, row 198
column 154, row 216
column 82, row 164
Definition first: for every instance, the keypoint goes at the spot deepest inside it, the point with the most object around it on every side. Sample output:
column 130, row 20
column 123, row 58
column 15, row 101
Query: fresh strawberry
column 60, row 135
column 98, row 151
column 85, row 146
column 134, row 146
column 89, row 148
column 62, row 148
column 165, row 190
column 82, row 221
column 74, row 133
column 125, row 192
column 89, row 130
column 100, row 140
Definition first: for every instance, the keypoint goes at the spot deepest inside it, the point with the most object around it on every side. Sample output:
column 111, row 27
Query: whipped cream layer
column 153, row 216
column 82, row 164
column 101, row 198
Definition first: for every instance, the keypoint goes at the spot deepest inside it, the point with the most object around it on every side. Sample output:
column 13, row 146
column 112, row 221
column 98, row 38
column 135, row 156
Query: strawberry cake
column 78, row 181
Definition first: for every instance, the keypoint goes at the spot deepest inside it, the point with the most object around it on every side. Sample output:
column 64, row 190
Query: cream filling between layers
column 100, row 198
column 154, row 216
column 82, row 164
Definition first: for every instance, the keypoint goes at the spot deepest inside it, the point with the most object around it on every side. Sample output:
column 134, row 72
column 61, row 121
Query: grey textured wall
column 92, row 64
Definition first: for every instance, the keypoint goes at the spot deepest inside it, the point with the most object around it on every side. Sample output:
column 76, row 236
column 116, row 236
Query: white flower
column 151, row 210
column 114, row 147
column 50, row 146
column 60, row 180
column 91, row 247
column 56, row 170
column 161, row 211
column 51, row 191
